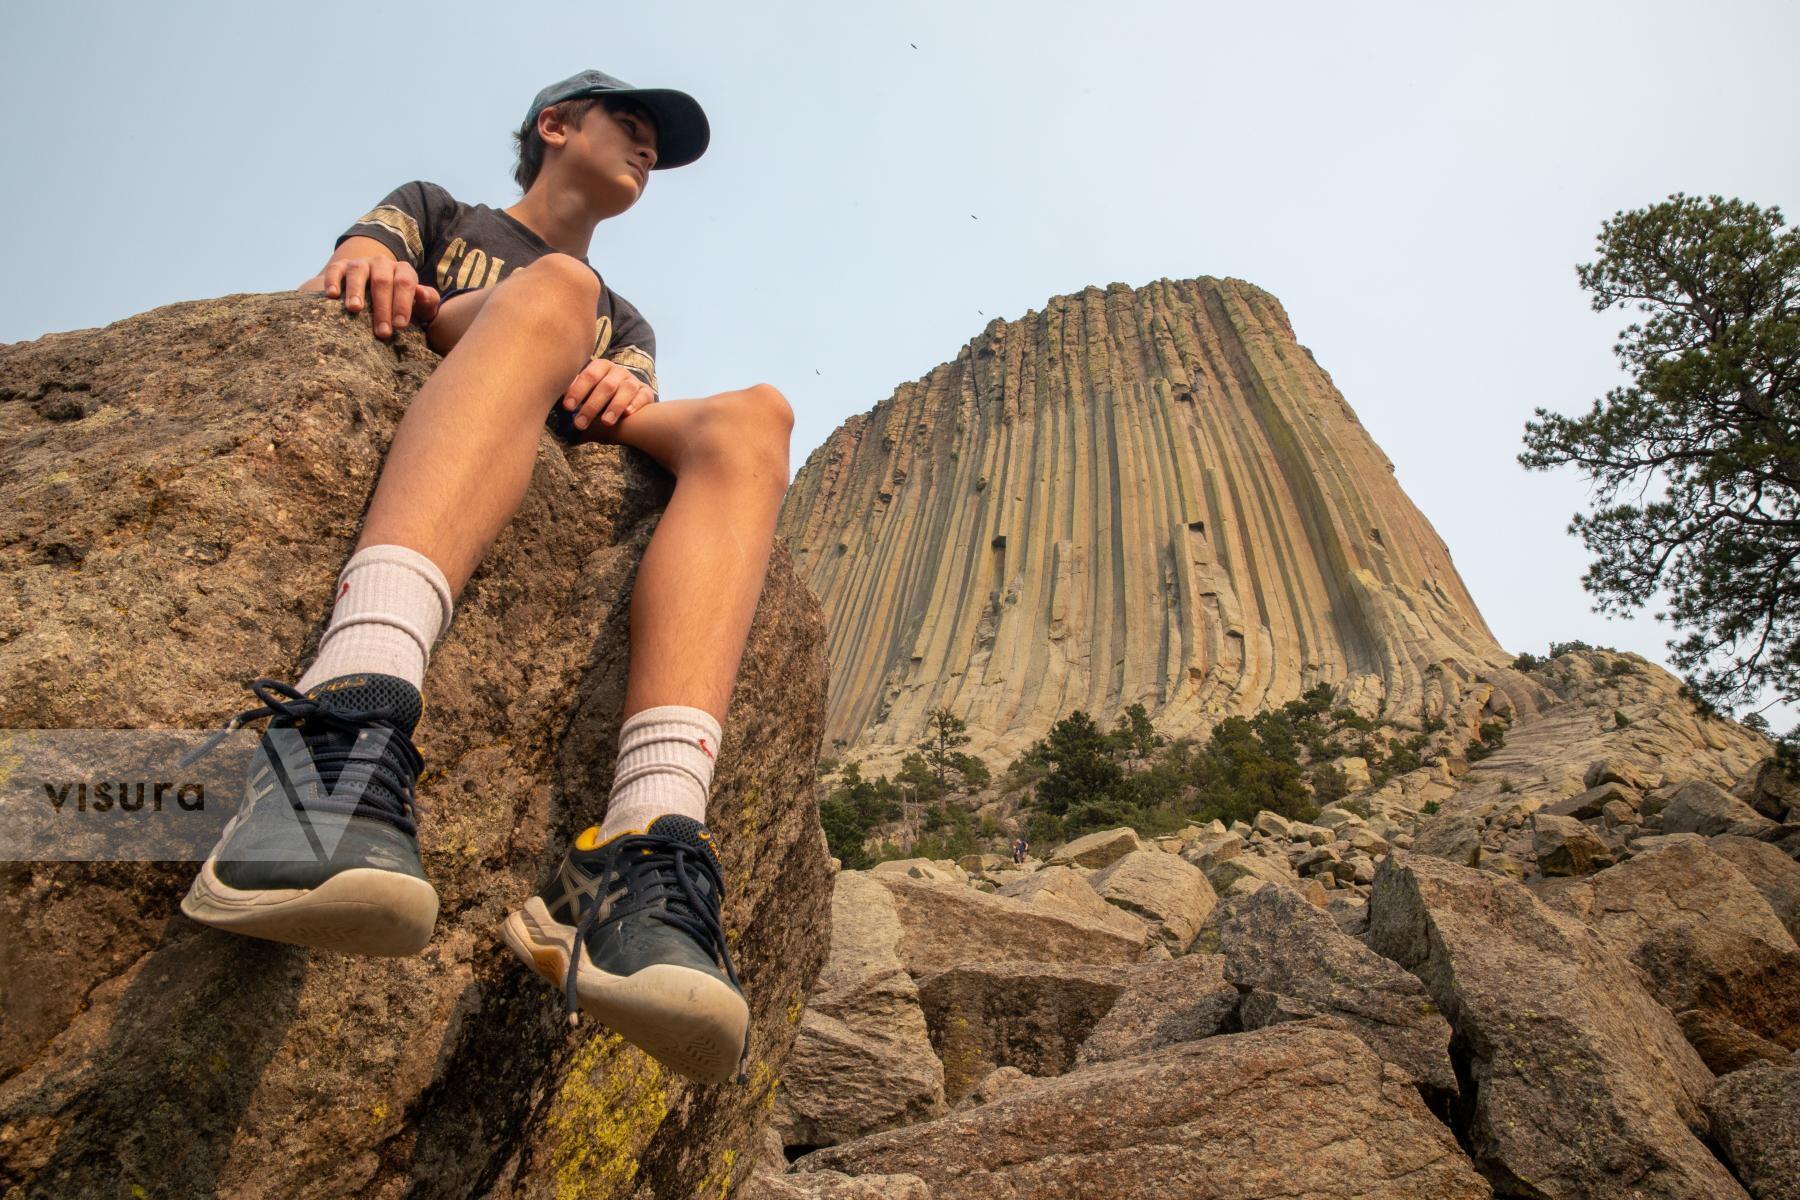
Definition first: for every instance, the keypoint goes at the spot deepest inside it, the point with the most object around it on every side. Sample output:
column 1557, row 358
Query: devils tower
column 1139, row 495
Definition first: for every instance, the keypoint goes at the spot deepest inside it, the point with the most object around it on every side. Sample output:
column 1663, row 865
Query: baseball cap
column 681, row 129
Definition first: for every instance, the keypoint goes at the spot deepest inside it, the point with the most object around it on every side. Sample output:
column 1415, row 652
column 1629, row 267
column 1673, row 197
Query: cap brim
column 682, row 131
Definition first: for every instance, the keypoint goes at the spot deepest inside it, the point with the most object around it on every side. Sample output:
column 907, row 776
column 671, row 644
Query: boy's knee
column 558, row 277
column 771, row 408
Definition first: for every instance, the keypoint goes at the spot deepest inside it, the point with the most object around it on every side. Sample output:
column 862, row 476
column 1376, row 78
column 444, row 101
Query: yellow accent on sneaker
column 589, row 838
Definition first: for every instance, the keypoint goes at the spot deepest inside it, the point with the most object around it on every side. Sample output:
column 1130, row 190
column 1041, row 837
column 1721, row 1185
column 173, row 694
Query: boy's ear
column 552, row 128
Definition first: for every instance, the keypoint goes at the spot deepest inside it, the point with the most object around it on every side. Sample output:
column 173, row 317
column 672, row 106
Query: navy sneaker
column 629, row 929
column 324, row 849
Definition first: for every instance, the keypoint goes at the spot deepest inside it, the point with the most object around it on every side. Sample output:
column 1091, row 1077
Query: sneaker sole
column 363, row 910
column 691, row 1022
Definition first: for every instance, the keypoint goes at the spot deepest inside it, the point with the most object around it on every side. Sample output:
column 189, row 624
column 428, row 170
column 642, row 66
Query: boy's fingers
column 582, row 385
column 333, row 274
column 577, row 390
column 403, row 292
column 381, row 297
column 605, row 390
column 425, row 302
column 633, row 395
column 356, row 282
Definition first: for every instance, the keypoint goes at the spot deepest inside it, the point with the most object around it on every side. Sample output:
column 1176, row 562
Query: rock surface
column 1583, row 1085
column 1769, row 871
column 946, row 924
column 1162, row 1004
column 1284, row 1112
column 180, row 490
column 1170, row 894
column 1033, row 1016
column 1756, row 1121
column 835, row 1185
column 863, row 1060
column 1067, row 890
column 1704, row 937
column 1276, row 945
column 1706, row 809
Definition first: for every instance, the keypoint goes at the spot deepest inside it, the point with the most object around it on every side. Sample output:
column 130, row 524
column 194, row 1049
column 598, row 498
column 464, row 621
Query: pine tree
column 1695, row 463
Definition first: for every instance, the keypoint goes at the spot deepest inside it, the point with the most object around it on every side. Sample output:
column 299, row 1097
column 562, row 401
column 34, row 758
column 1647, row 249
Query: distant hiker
column 629, row 925
column 1020, row 845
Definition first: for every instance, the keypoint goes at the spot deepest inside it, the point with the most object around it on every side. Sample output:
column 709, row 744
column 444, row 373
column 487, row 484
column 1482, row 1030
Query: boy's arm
column 365, row 266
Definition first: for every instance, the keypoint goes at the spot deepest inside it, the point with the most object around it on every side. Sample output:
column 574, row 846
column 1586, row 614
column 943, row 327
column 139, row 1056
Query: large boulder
column 1769, row 871
column 1582, row 1084
column 1168, row 892
column 1033, row 1016
column 1706, row 809
column 944, row 924
column 1705, row 938
column 1291, row 1111
column 1756, row 1123
column 863, row 1061
column 180, row 490
column 834, row 1185
column 1588, row 805
column 1767, row 789
column 1278, row 947
column 1564, row 846
column 1067, row 890
column 1163, row 1003
column 1097, row 849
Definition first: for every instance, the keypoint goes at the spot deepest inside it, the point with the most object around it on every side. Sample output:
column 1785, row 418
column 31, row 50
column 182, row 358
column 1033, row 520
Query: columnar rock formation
column 1145, row 495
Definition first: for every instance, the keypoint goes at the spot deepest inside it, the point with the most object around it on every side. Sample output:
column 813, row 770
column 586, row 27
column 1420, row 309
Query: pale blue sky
column 1414, row 181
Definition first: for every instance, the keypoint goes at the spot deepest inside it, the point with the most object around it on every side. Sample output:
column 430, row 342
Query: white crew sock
column 391, row 605
column 665, row 766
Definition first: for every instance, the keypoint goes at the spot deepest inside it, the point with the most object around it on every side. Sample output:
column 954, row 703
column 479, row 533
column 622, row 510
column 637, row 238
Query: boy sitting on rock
column 325, row 850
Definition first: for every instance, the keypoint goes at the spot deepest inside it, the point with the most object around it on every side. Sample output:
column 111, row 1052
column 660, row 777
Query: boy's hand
column 391, row 289
column 606, row 391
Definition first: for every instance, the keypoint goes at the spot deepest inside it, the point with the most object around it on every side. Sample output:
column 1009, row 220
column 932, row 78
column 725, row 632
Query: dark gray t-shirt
column 457, row 247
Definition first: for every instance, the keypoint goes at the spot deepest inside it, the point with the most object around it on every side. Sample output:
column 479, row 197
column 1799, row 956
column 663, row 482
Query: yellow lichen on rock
column 608, row 1108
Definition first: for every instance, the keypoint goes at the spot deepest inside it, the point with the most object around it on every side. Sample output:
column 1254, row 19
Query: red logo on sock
column 343, row 590
column 707, row 749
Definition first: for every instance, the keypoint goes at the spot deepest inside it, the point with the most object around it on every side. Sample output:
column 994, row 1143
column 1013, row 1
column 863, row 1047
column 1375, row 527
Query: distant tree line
column 1080, row 778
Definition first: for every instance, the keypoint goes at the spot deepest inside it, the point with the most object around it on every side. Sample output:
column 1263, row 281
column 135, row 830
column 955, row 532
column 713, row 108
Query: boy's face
column 608, row 156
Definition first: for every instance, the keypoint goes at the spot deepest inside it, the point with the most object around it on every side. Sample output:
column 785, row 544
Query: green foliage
column 1083, row 776
column 1238, row 773
column 1133, row 737
column 1755, row 721
column 1492, row 735
column 1620, row 720
column 1694, row 464
column 1558, row 649
column 1702, row 704
column 941, row 756
column 1429, row 807
column 1329, row 784
column 1527, row 662
column 851, row 811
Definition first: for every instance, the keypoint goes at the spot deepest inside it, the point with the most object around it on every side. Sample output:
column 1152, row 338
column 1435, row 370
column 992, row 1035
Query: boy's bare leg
column 701, row 576
column 462, row 458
